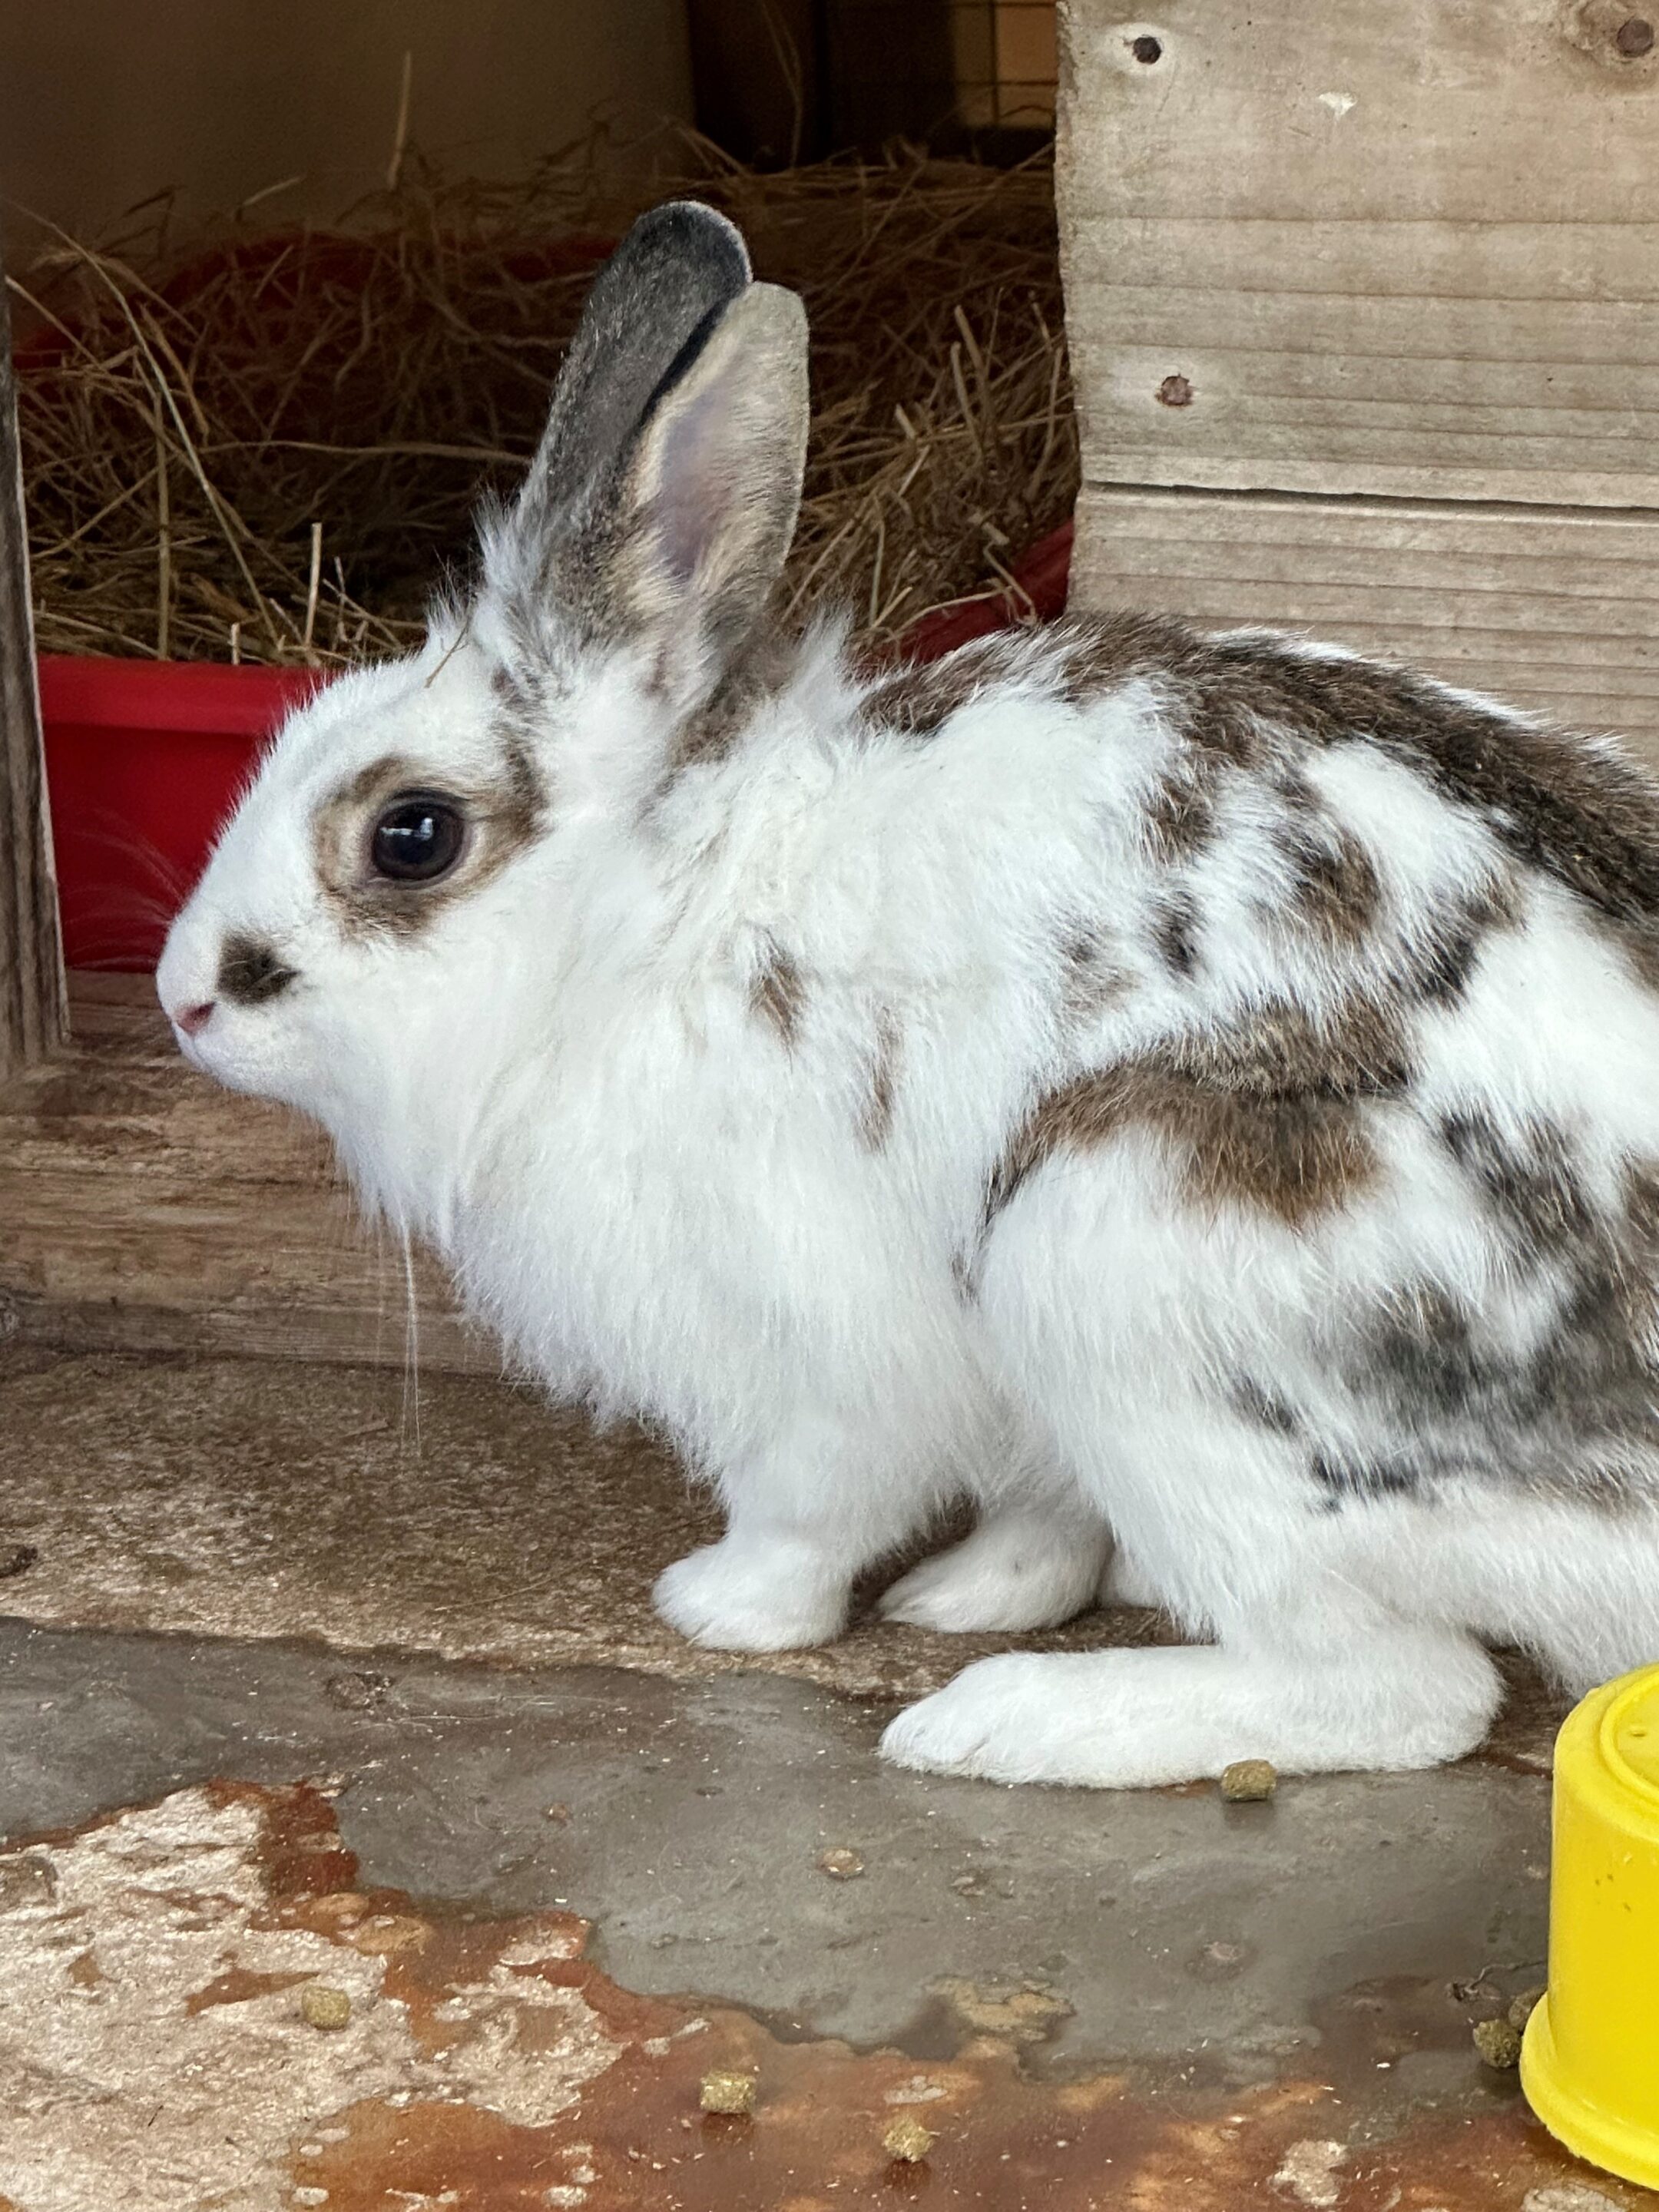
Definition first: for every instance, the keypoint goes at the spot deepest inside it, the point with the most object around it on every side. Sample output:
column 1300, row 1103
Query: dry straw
column 268, row 448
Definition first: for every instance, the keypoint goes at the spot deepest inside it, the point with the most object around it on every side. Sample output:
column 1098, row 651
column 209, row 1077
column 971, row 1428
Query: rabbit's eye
column 418, row 838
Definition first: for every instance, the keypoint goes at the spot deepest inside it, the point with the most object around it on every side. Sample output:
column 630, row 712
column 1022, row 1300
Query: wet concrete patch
column 690, row 1822
column 488, row 2065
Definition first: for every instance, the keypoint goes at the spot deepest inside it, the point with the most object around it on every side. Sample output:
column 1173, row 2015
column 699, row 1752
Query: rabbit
column 1194, row 1094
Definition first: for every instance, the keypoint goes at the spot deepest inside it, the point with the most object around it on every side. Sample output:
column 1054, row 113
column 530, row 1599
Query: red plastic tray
column 146, row 759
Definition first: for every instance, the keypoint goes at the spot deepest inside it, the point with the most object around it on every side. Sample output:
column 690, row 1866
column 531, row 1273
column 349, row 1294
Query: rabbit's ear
column 678, row 265
column 706, row 505
column 661, row 516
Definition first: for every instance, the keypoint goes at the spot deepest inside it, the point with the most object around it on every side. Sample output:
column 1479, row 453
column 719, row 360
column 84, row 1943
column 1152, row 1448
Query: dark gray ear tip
column 689, row 232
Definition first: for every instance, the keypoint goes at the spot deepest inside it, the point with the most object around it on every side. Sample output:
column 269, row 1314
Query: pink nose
column 190, row 1019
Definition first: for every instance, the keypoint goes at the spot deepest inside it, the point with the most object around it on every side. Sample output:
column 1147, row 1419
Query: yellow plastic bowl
column 1590, row 2061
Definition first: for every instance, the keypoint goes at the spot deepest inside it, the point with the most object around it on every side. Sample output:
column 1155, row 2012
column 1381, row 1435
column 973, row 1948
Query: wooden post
column 32, row 1000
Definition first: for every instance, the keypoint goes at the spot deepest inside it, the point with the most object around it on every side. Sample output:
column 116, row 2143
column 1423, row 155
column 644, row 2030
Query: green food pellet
column 729, row 2093
column 1523, row 2008
column 1248, row 1781
column 908, row 2140
column 842, row 1864
column 1499, row 2044
column 320, row 2006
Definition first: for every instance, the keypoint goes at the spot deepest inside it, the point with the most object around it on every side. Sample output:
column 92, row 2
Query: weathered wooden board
column 1409, row 250
column 142, row 1208
column 1363, row 310
column 31, row 954
column 1550, row 609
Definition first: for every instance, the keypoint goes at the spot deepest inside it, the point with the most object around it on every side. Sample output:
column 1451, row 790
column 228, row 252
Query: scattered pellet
column 907, row 2139
column 323, row 2006
column 1499, row 2044
column 1248, row 1781
column 726, row 2092
column 1523, row 2008
column 842, row 1864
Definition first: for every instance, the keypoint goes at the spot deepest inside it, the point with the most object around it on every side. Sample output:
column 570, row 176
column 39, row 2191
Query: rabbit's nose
column 190, row 1019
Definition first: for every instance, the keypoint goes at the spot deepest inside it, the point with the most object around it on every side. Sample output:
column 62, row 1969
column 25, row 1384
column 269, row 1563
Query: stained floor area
column 370, row 1845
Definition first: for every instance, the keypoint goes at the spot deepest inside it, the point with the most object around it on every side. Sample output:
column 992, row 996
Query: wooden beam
column 1550, row 609
column 32, row 999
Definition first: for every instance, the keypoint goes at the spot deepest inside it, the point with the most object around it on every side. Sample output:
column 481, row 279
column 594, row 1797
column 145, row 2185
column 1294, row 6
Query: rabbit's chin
column 259, row 1060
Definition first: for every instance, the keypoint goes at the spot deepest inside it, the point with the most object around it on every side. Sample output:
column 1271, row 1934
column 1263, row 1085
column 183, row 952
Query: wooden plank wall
column 144, row 1209
column 1364, row 306
column 32, row 1018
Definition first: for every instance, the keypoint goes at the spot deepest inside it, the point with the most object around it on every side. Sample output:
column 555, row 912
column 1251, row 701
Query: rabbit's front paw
column 1017, row 1570
column 746, row 1595
column 996, row 1720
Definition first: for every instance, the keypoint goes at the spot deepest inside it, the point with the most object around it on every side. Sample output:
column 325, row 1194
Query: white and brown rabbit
column 1198, row 1088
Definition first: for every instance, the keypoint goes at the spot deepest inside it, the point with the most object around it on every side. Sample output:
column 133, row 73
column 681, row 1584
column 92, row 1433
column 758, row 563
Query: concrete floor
column 1126, row 2001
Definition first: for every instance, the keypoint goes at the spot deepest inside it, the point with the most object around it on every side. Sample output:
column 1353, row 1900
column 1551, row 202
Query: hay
column 269, row 448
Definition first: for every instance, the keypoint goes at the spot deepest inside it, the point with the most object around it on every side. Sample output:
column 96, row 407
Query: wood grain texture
column 144, row 1209
column 32, row 994
column 1406, row 251
column 1550, row 610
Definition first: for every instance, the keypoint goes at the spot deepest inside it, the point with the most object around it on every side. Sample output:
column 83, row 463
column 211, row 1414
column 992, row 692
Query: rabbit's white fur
column 708, row 1093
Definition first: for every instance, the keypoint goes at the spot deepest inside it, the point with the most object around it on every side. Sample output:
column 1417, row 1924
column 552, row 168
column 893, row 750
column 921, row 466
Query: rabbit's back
column 1357, row 1051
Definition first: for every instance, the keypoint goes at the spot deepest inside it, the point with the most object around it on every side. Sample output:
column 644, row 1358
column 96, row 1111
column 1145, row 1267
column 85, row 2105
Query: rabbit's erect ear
column 660, row 505
column 679, row 264
column 708, row 500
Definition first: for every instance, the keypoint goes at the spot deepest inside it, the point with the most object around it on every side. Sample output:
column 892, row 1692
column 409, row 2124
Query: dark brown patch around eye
column 503, row 820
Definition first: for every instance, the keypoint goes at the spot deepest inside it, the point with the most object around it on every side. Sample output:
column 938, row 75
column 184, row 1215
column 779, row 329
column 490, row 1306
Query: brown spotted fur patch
column 1295, row 1155
column 1434, row 966
column 1265, row 1112
column 876, row 1118
column 777, row 992
column 1334, row 886
column 1091, row 980
column 1180, row 815
column 917, row 702
column 1580, row 812
column 1563, row 1408
column 1175, row 932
